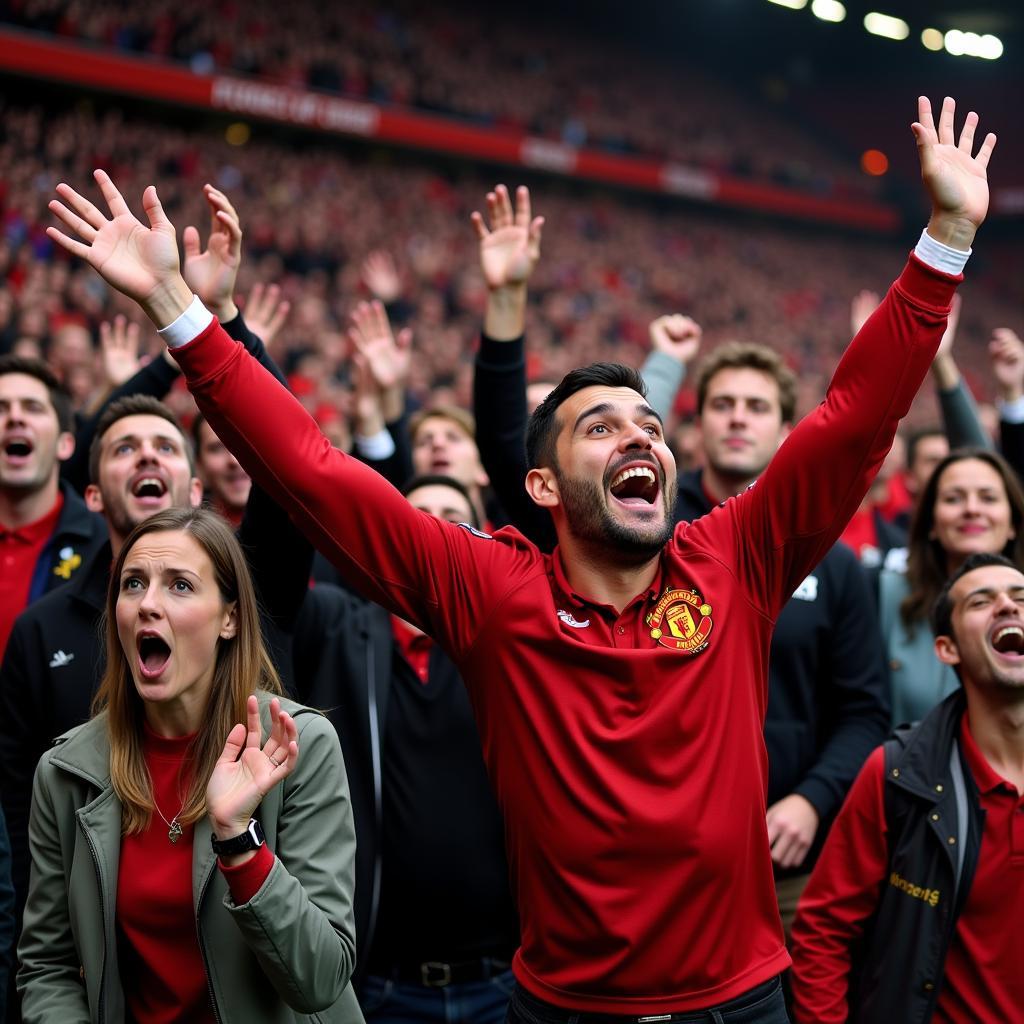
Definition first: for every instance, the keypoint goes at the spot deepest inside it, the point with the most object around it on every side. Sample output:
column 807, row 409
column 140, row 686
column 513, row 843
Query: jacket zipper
column 103, row 917
column 378, row 787
column 202, row 948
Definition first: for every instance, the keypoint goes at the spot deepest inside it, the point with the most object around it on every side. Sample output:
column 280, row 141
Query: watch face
column 251, row 839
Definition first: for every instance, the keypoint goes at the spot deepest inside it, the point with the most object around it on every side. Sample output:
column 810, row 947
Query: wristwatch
column 251, row 839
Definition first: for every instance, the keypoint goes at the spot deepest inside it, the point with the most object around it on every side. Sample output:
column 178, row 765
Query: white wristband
column 940, row 256
column 1011, row 412
column 379, row 447
column 188, row 326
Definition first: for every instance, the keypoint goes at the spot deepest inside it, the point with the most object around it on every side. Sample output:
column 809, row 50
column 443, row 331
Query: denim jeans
column 761, row 1005
column 472, row 1002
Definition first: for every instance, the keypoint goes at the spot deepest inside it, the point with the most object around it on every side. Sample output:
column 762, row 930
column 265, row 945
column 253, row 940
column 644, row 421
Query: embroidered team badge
column 70, row 560
column 681, row 621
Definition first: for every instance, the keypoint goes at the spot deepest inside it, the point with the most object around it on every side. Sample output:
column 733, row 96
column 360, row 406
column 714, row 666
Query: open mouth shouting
column 636, row 485
column 148, row 489
column 154, row 654
column 1007, row 639
column 17, row 449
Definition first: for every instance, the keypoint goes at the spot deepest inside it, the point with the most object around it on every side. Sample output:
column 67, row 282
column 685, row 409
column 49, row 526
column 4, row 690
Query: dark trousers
column 761, row 1005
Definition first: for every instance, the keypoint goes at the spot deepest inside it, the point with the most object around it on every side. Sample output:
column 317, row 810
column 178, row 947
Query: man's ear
column 195, row 492
column 65, row 446
column 946, row 650
column 93, row 499
column 542, row 487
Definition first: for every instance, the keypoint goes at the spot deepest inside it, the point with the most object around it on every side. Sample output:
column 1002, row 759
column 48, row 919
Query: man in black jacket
column 914, row 910
column 436, row 925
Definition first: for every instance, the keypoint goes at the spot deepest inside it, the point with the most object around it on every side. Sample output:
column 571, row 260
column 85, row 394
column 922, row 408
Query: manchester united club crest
column 681, row 621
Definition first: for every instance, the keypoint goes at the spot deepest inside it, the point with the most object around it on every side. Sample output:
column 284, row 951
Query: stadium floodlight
column 954, row 42
column 793, row 5
column 886, row 25
column 990, row 47
column 932, row 39
column 828, row 10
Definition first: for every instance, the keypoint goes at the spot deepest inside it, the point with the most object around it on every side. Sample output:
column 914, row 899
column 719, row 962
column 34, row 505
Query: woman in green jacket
column 192, row 845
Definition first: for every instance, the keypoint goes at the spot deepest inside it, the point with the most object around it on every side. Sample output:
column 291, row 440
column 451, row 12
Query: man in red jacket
column 620, row 682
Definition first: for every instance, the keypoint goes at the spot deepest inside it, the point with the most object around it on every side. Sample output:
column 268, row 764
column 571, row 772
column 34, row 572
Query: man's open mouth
column 154, row 653
column 18, row 448
column 1009, row 641
column 149, row 487
column 636, row 485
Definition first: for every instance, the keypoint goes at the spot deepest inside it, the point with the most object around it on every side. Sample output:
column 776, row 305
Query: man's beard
column 590, row 519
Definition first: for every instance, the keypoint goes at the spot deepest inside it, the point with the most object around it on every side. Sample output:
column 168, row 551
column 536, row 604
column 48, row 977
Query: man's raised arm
column 798, row 508
column 420, row 567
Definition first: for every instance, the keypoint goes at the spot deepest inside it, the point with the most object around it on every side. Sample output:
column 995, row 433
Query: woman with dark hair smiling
column 972, row 503
column 187, row 863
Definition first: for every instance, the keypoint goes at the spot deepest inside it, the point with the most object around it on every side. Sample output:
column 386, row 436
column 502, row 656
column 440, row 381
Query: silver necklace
column 174, row 829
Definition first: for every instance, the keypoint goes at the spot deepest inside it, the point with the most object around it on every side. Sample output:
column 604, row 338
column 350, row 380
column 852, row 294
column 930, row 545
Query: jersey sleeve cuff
column 940, row 256
column 188, row 326
column 378, row 447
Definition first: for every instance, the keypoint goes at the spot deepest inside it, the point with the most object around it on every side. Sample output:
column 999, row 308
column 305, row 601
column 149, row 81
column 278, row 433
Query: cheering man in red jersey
column 619, row 683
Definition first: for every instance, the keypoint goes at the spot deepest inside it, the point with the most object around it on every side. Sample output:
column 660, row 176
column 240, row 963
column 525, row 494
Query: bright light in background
column 793, row 5
column 991, row 47
column 237, row 134
column 828, row 10
column 874, row 162
column 885, row 25
column 932, row 39
column 970, row 44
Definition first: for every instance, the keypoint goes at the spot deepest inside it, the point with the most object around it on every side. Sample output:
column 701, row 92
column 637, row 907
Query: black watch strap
column 251, row 839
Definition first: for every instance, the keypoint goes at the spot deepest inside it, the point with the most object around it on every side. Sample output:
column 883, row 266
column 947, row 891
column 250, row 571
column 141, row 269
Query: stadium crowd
column 461, row 60
column 493, row 817
column 312, row 218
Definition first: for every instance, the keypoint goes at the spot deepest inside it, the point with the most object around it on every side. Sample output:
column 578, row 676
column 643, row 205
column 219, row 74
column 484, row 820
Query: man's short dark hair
column 134, row 405
column 915, row 437
column 59, row 397
column 942, row 609
column 748, row 355
column 440, row 480
column 542, row 430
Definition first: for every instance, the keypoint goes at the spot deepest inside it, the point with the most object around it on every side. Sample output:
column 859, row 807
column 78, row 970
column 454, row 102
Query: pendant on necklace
column 175, row 831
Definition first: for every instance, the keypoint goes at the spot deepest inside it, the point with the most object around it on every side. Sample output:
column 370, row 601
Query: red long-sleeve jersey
column 626, row 749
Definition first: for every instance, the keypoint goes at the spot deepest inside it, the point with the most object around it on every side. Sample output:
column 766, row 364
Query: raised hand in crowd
column 381, row 277
column 211, row 273
column 944, row 369
column 864, row 303
column 138, row 260
column 1006, row 351
column 119, row 351
column 509, row 251
column 955, row 178
column 387, row 356
column 676, row 336
column 266, row 312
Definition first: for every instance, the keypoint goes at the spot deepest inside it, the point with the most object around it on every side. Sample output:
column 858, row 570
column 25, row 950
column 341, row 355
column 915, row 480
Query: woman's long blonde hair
column 243, row 666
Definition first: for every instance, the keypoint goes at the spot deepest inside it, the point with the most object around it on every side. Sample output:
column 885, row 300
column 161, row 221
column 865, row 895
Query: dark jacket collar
column 90, row 584
column 924, row 761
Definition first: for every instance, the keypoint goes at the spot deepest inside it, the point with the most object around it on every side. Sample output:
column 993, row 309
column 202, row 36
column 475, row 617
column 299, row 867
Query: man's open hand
column 139, row 261
column 956, row 180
